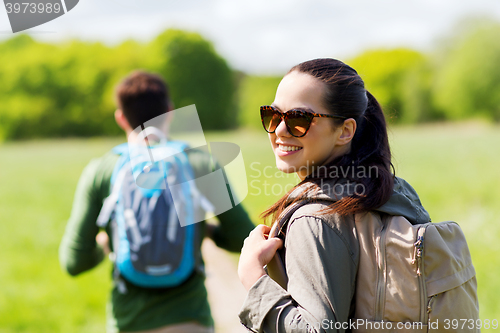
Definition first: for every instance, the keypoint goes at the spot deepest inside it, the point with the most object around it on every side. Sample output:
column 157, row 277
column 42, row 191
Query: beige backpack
column 414, row 278
column 411, row 278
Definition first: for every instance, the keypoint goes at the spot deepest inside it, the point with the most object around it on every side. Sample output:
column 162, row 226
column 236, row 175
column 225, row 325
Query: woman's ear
column 348, row 130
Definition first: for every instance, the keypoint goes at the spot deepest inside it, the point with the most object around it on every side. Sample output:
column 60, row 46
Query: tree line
column 66, row 89
column 459, row 79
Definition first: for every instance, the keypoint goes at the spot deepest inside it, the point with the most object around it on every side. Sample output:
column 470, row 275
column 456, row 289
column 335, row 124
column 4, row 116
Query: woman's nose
column 281, row 129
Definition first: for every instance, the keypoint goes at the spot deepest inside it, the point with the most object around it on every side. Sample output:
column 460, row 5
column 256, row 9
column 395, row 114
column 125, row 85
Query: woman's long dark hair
column 346, row 96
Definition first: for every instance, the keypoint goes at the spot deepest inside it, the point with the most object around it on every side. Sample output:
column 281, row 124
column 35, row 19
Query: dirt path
column 225, row 292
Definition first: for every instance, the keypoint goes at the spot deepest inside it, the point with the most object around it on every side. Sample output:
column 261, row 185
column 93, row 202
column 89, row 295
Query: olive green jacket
column 321, row 259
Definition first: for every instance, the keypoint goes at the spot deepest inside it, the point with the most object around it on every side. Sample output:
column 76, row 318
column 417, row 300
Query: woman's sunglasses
column 297, row 121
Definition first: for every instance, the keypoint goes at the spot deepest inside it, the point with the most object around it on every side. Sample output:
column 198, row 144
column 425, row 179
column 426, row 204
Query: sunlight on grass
column 454, row 168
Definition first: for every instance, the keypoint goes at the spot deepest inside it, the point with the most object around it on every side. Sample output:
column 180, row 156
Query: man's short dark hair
column 142, row 96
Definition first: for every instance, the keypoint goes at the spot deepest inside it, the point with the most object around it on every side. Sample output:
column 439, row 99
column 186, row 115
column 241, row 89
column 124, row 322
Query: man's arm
column 78, row 251
column 234, row 226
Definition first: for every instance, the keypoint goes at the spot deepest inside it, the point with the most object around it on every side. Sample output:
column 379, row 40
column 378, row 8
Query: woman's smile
column 286, row 150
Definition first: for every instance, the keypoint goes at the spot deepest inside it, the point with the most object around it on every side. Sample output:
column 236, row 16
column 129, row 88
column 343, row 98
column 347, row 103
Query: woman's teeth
column 289, row 148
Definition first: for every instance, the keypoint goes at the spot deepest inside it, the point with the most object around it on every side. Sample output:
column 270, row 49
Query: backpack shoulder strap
column 276, row 267
column 117, row 176
column 120, row 149
column 279, row 227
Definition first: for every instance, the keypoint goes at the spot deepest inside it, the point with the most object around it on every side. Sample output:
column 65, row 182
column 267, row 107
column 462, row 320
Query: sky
column 268, row 36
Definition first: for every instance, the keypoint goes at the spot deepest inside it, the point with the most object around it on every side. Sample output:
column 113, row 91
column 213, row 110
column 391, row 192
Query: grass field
column 454, row 168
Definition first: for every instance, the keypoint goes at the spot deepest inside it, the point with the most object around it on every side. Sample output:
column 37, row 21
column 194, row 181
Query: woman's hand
column 257, row 252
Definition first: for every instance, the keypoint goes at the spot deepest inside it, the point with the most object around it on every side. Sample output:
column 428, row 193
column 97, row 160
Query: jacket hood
column 404, row 200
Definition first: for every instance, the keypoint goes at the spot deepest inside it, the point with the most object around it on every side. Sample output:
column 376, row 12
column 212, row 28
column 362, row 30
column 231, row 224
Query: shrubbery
column 66, row 89
column 459, row 80
column 467, row 82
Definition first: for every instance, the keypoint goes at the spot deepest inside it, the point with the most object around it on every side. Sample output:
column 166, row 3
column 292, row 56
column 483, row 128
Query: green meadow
column 453, row 167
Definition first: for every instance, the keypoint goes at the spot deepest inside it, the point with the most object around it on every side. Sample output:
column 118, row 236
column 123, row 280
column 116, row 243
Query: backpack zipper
column 429, row 305
column 380, row 296
column 417, row 259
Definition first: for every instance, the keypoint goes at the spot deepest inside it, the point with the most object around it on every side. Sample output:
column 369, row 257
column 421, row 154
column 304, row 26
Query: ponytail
column 370, row 149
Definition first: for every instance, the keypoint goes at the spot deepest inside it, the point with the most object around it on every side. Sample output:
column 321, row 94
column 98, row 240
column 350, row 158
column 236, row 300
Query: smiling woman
column 325, row 127
column 325, row 141
column 322, row 120
column 343, row 128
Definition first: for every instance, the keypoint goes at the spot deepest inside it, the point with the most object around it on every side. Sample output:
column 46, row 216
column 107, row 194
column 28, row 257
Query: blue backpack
column 151, row 248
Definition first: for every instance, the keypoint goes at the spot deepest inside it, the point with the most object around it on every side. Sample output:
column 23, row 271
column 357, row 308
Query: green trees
column 67, row 89
column 55, row 90
column 459, row 82
column 468, row 82
column 196, row 75
column 401, row 81
column 384, row 73
column 256, row 91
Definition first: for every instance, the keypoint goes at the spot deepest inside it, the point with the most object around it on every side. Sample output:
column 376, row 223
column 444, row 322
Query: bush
column 254, row 92
column 386, row 76
column 468, row 78
column 66, row 89
column 196, row 74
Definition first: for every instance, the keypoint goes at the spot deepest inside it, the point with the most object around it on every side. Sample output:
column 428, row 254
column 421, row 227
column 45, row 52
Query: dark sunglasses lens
column 270, row 119
column 298, row 123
